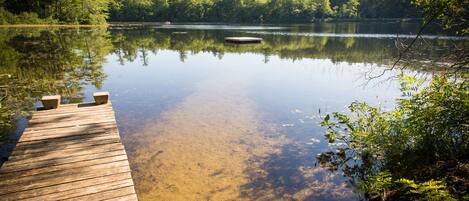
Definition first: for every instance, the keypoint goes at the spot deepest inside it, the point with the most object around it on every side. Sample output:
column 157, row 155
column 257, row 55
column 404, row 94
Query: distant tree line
column 55, row 11
column 100, row 11
column 258, row 10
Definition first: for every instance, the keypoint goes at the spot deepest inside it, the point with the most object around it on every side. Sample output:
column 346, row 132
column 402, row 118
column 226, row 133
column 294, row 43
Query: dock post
column 51, row 102
column 101, row 97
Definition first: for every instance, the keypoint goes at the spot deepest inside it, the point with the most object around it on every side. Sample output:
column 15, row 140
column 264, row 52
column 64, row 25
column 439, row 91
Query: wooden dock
column 73, row 152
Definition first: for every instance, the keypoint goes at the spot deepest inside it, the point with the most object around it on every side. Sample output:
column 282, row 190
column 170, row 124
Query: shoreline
column 136, row 23
column 51, row 25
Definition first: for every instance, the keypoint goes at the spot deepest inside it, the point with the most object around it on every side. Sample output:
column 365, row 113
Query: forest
column 255, row 11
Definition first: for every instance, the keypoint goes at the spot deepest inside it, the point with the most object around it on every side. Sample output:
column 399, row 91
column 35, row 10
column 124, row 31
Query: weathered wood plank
column 95, row 189
column 131, row 197
column 114, row 193
column 64, row 167
column 66, row 131
column 65, row 136
column 68, row 160
column 70, row 114
column 76, row 185
column 71, row 123
column 47, row 113
column 57, row 154
column 60, row 179
column 76, row 106
column 72, row 107
column 59, row 113
column 75, row 142
column 69, row 117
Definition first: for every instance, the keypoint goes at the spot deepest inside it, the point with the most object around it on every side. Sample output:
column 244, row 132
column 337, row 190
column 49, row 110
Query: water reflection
column 290, row 174
column 288, row 47
column 53, row 61
column 36, row 62
column 360, row 35
column 202, row 119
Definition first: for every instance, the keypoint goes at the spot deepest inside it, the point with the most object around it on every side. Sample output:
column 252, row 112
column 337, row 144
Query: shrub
column 423, row 143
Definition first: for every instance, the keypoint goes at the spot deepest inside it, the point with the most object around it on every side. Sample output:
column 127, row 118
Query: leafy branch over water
column 425, row 137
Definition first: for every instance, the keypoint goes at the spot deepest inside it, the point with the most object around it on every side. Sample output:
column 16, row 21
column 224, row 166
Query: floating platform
column 69, row 152
column 243, row 40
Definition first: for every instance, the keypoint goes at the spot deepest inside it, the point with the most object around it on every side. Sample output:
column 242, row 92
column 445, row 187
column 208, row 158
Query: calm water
column 206, row 120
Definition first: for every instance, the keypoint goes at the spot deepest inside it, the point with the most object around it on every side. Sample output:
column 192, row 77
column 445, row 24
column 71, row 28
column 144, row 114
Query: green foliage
column 425, row 137
column 135, row 9
column 52, row 12
column 429, row 190
column 387, row 9
column 348, row 10
column 376, row 185
column 258, row 10
column 97, row 11
column 80, row 11
column 22, row 18
column 452, row 13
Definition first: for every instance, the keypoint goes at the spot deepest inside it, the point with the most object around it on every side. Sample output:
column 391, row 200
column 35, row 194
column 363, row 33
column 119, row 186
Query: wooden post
column 51, row 102
column 101, row 97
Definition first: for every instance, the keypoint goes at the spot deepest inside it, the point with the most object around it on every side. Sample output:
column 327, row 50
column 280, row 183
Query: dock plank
column 63, row 167
column 130, row 197
column 40, row 183
column 68, row 118
column 73, row 143
column 91, row 121
column 50, row 190
column 57, row 154
column 47, row 163
column 70, row 131
column 73, row 152
column 95, row 189
column 115, row 193
column 59, row 176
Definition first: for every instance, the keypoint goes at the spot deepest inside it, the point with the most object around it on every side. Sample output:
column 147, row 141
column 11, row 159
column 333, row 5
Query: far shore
column 136, row 23
column 51, row 25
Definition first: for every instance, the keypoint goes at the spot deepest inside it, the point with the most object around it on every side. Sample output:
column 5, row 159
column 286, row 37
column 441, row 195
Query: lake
column 202, row 119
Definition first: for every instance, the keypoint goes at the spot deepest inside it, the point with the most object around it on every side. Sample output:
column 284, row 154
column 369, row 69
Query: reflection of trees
column 130, row 44
column 36, row 62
